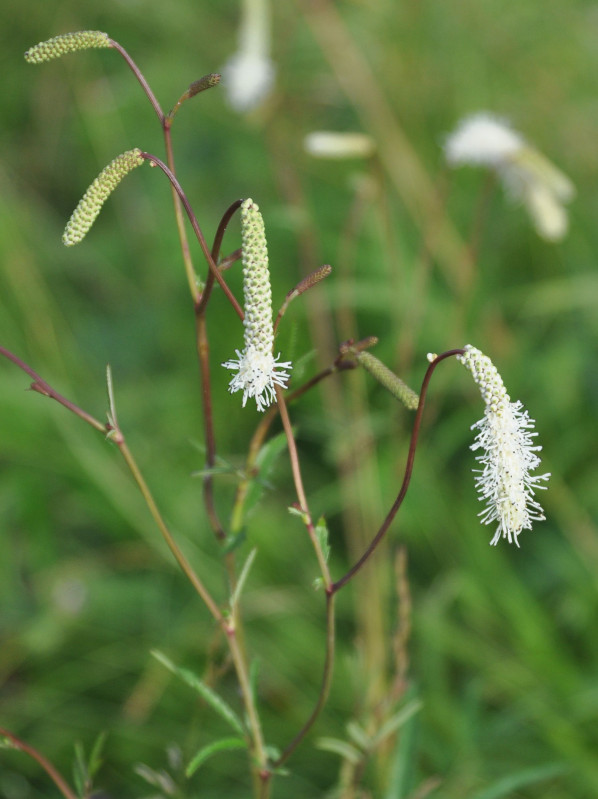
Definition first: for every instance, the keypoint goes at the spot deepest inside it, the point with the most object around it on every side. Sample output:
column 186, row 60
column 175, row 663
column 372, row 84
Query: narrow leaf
column 514, row 782
column 215, row 701
column 242, row 578
column 342, row 748
column 224, row 744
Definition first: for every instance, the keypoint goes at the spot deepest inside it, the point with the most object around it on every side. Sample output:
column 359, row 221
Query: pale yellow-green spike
column 66, row 43
column 389, row 380
column 96, row 195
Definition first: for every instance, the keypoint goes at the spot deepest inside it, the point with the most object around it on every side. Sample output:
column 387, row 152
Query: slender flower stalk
column 96, row 195
column 488, row 141
column 505, row 435
column 257, row 369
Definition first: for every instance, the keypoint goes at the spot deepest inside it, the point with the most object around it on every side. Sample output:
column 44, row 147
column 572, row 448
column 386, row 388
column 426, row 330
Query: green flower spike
column 256, row 367
column 66, row 43
column 96, row 195
column 389, row 380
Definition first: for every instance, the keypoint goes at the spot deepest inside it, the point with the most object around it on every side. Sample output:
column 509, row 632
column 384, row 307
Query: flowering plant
column 506, row 482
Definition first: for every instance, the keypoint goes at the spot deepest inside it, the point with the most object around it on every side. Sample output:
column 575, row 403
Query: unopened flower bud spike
column 307, row 283
column 258, row 371
column 96, row 195
column 389, row 380
column 66, row 43
column 201, row 85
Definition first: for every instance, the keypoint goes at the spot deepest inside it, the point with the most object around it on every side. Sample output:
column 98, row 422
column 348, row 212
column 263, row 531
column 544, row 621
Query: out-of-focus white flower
column 258, row 371
column 487, row 140
column 248, row 75
column 505, row 434
column 331, row 144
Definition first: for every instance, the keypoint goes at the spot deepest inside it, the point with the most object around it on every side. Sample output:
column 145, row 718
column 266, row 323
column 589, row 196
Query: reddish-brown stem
column 138, row 74
column 203, row 349
column 407, row 476
column 228, row 214
column 50, row 770
column 40, row 385
column 325, row 687
column 197, row 230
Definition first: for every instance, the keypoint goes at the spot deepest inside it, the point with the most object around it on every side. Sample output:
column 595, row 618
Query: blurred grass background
column 503, row 652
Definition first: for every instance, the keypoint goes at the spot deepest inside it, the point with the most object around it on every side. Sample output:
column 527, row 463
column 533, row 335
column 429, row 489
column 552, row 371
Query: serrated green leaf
column 222, row 708
column 346, row 750
column 224, row 744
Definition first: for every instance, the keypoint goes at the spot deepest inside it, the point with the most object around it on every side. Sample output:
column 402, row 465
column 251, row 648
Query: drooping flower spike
column 258, row 371
column 505, row 434
column 96, row 195
column 488, row 141
column 66, row 43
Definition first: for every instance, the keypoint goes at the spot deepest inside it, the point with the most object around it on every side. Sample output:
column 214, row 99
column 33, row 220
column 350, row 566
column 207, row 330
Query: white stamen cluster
column 248, row 76
column 256, row 367
column 487, row 140
column 96, row 195
column 506, row 438
column 66, row 43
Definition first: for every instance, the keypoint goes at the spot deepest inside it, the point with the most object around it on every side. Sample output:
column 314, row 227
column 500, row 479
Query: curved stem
column 407, row 476
column 50, row 770
column 326, row 681
column 139, row 75
column 197, row 230
column 228, row 214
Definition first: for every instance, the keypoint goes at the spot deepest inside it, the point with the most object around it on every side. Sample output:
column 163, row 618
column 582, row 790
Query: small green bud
column 66, row 43
column 96, row 195
column 389, row 380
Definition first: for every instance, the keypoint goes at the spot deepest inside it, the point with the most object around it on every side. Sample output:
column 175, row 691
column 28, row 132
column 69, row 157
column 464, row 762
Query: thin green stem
column 118, row 438
column 298, row 480
column 180, row 220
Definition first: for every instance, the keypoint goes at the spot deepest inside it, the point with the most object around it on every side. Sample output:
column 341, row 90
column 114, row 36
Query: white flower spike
column 257, row 369
column 487, row 140
column 505, row 434
column 248, row 75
